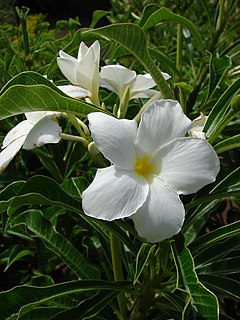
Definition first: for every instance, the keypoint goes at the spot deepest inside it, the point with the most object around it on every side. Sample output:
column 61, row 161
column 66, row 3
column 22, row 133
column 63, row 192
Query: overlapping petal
column 116, row 78
column 114, row 194
column 10, row 151
column 68, row 66
column 75, row 91
column 19, row 131
column 162, row 122
column 47, row 130
column 162, row 214
column 188, row 164
column 114, row 138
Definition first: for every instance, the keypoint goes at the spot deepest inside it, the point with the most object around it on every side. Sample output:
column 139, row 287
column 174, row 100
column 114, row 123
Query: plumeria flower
column 83, row 71
column 118, row 78
column 39, row 128
column 151, row 165
column 197, row 127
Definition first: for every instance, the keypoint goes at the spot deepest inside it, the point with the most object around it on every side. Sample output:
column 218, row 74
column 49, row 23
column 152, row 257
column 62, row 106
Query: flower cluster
column 151, row 163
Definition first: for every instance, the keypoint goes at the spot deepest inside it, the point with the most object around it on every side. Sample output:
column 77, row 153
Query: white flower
column 118, row 78
column 151, row 165
column 83, row 71
column 74, row 91
column 39, row 128
column 197, row 127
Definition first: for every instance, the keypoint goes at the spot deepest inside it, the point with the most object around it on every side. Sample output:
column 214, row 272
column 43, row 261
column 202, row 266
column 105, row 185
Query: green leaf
column 142, row 259
column 228, row 144
column 220, row 267
column 163, row 14
column 167, row 63
column 223, row 286
column 24, row 298
column 217, row 250
column 42, row 190
column 41, row 313
column 42, row 228
column 88, row 308
column 18, row 97
column 133, row 38
column 17, row 253
column 218, row 68
column 215, row 236
column 98, row 15
column 229, row 186
column 203, row 301
column 220, row 108
column 8, row 193
column 75, row 186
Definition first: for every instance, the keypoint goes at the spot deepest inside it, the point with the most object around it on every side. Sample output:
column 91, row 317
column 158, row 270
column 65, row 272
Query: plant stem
column 179, row 46
column 117, row 272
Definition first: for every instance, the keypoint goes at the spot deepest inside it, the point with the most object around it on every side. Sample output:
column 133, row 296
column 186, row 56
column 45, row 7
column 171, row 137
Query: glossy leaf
column 87, row 308
column 133, row 38
column 142, row 259
column 202, row 300
column 17, row 253
column 229, row 186
column 24, row 298
column 220, row 108
column 220, row 267
column 18, row 96
column 217, row 250
column 163, row 14
column 215, row 236
column 228, row 144
column 224, row 286
column 53, row 240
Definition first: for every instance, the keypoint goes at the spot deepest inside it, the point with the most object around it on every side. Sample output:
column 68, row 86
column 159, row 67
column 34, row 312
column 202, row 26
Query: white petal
column 116, row 78
column 143, row 94
column 166, row 76
column 47, row 130
column 87, row 72
column 143, row 82
column 9, row 152
column 162, row 214
column 82, row 51
column 75, row 91
column 68, row 66
column 20, row 130
column 35, row 116
column 114, row 194
column 188, row 164
column 162, row 122
column 114, row 138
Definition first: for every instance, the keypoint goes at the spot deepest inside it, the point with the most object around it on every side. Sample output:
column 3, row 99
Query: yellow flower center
column 145, row 167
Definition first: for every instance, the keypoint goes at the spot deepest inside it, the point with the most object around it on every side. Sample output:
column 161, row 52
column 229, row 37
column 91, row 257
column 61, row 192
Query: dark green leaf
column 42, row 228
column 203, row 301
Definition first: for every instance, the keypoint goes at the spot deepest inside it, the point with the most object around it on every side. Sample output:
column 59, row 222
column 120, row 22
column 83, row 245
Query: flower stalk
column 116, row 249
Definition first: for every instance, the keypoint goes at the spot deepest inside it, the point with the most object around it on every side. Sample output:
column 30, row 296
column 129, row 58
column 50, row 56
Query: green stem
column 118, row 273
column 179, row 46
column 22, row 14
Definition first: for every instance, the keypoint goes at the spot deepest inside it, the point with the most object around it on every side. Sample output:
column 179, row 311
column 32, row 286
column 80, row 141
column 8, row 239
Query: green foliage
column 56, row 262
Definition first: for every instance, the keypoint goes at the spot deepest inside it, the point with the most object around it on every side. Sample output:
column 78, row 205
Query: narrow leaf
column 203, row 300
column 42, row 228
column 30, row 296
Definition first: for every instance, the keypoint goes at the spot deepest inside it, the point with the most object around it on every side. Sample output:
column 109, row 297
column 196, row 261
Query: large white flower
column 39, row 128
column 83, row 71
column 151, row 165
column 118, row 78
